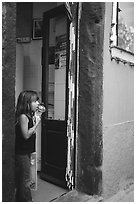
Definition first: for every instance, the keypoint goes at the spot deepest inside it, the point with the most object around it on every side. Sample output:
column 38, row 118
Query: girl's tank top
column 22, row 145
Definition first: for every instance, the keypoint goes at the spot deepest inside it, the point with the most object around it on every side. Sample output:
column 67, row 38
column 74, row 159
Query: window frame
column 118, row 53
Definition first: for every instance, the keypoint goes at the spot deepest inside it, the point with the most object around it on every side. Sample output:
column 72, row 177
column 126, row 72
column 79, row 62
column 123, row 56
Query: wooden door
column 55, row 60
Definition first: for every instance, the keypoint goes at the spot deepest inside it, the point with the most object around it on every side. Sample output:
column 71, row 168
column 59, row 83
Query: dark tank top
column 22, row 145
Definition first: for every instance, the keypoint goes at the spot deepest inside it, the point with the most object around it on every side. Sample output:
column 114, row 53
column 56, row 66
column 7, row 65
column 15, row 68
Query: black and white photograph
column 67, row 101
column 37, row 28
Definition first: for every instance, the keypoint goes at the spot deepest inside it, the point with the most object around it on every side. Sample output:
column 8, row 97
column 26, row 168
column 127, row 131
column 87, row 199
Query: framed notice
column 37, row 29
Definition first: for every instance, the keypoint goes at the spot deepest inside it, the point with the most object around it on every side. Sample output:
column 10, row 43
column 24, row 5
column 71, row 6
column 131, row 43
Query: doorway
column 55, row 60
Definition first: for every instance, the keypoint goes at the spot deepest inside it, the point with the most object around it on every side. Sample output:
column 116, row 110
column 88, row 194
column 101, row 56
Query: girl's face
column 34, row 105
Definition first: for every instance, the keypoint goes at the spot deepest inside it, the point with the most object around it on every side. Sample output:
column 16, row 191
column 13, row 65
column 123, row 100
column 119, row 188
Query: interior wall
column 19, row 70
column 118, row 118
column 32, row 66
column 28, row 63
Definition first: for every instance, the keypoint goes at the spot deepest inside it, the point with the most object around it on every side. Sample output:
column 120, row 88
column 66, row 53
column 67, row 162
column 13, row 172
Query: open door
column 55, row 63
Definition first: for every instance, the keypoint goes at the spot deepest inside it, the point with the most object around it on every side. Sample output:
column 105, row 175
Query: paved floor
column 124, row 195
column 47, row 191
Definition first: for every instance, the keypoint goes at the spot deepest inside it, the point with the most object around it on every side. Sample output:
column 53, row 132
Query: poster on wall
column 60, row 52
column 60, row 59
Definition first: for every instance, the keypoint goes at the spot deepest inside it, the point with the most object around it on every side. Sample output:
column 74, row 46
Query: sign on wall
column 60, row 52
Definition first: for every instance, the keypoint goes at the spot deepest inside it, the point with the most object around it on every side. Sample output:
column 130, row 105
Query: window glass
column 126, row 26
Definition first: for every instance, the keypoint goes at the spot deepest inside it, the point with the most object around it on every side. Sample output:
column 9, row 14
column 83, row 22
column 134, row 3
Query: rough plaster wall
column 118, row 116
column 89, row 140
column 118, row 93
column 118, row 98
column 118, row 163
column 8, row 99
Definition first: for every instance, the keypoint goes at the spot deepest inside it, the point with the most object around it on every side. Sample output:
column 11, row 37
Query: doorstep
column 76, row 196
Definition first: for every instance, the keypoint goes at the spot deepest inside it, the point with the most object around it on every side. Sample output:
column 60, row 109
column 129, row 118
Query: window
column 122, row 34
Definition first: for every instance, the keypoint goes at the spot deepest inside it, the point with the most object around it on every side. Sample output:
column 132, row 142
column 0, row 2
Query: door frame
column 47, row 15
column 60, row 10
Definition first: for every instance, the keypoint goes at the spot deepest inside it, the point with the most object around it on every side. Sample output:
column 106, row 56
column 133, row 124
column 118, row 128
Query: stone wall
column 8, row 98
column 89, row 138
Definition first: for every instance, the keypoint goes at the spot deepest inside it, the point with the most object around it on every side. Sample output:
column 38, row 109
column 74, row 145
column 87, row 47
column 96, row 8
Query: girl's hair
column 24, row 100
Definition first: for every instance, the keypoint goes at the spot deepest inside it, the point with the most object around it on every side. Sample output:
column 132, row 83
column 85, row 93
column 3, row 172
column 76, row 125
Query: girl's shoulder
column 23, row 117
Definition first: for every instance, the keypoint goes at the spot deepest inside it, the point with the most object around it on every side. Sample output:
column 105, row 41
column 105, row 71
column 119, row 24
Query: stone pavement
column 124, row 195
column 76, row 196
column 47, row 192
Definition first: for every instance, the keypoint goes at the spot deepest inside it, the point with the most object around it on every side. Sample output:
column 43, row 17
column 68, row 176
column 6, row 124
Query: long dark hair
column 23, row 104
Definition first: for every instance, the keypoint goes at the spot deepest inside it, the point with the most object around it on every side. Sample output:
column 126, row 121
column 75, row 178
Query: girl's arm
column 24, row 126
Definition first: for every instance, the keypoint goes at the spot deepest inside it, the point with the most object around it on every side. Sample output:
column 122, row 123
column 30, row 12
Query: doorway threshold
column 47, row 192
column 76, row 196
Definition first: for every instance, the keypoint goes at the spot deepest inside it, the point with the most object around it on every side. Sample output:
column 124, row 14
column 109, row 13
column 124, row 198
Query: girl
column 25, row 128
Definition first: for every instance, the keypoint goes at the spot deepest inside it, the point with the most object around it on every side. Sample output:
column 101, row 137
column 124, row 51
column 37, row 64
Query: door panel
column 57, row 143
column 55, row 154
column 55, row 96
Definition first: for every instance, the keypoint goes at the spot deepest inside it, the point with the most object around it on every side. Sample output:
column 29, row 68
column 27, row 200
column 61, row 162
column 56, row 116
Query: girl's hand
column 27, row 132
column 38, row 119
column 38, row 114
column 24, row 126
